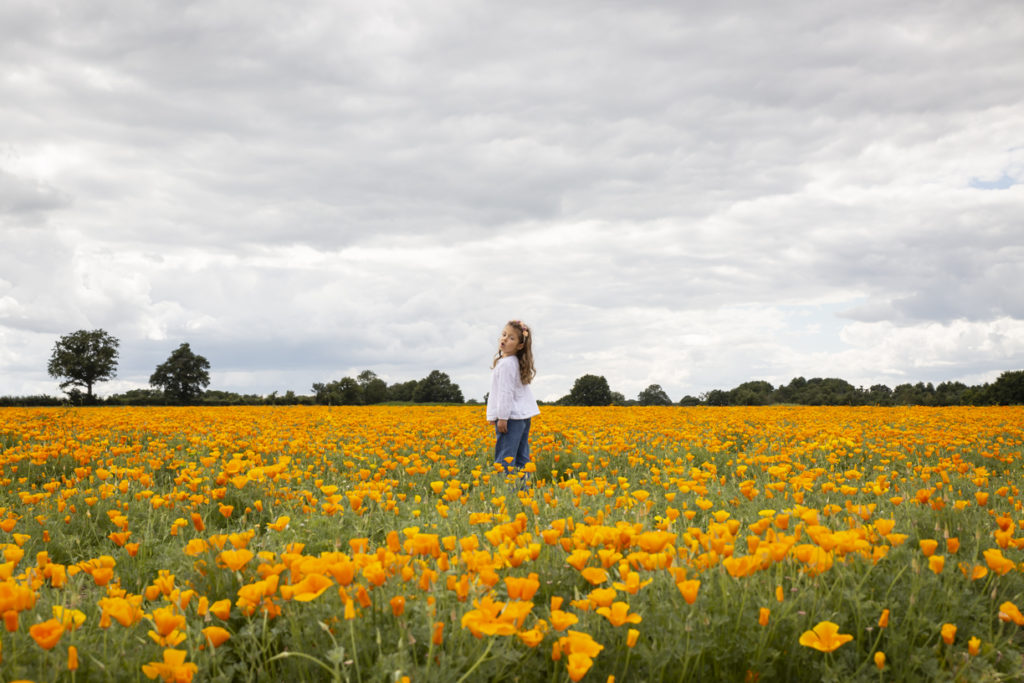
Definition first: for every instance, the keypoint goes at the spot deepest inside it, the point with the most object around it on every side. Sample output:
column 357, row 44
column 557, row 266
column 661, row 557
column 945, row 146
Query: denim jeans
column 512, row 449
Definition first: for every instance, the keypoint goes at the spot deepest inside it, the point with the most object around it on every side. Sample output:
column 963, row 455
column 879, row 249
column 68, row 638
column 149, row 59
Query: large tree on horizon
column 653, row 395
column 183, row 376
column 437, row 387
column 590, row 390
column 84, row 357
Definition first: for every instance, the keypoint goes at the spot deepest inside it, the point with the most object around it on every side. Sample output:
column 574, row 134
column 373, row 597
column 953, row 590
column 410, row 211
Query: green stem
column 871, row 653
column 686, row 652
column 430, row 649
column 739, row 612
column 355, row 652
column 477, row 662
column 625, row 668
column 303, row 655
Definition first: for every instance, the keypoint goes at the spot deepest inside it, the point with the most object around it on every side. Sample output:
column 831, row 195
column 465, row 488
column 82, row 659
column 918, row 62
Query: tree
column 375, row 390
column 402, row 391
column 84, row 358
column 716, row 397
column 590, row 390
column 183, row 376
column 343, row 392
column 950, row 393
column 437, row 387
column 919, row 394
column 137, row 397
column 792, row 392
column 653, row 395
column 756, row 393
column 879, row 395
column 1008, row 389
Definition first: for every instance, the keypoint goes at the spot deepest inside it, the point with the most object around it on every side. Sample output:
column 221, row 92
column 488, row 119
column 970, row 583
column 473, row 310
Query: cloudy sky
column 693, row 194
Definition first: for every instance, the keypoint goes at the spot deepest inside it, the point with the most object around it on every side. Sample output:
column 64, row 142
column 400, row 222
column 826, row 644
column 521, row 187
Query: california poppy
column 825, row 637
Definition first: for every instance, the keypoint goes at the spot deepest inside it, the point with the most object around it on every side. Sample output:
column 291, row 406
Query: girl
column 510, row 403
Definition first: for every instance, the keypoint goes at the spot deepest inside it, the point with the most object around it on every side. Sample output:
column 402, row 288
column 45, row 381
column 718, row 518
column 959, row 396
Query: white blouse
column 509, row 398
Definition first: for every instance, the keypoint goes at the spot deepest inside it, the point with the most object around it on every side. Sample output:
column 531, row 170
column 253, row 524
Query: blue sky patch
column 1002, row 183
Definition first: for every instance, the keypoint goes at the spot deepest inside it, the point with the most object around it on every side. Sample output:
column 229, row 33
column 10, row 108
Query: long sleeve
column 503, row 386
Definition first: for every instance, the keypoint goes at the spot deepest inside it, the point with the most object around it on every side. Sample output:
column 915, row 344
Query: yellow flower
column 195, row 547
column 997, row 563
column 280, row 524
column 121, row 609
column 562, row 620
column 631, row 637
column 763, row 616
column 71, row 618
column 47, row 634
column 235, row 559
column 1009, row 612
column 618, row 614
column 578, row 559
column 579, row 664
column 632, row 583
column 883, row 620
column 215, row 635
column 308, row 589
column 948, row 633
column 534, row 636
column 825, row 637
column 602, row 597
column 167, row 623
column 974, row 646
column 689, row 589
column 173, row 669
column 577, row 641
column 880, row 660
column 221, row 609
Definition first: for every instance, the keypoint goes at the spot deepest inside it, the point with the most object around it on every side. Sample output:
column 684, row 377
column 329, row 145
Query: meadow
column 382, row 544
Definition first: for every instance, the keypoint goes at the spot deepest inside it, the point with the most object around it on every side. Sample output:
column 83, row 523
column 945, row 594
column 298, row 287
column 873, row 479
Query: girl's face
column 509, row 342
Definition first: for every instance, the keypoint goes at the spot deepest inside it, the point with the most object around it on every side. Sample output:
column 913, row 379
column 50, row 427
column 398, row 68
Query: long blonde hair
column 525, row 355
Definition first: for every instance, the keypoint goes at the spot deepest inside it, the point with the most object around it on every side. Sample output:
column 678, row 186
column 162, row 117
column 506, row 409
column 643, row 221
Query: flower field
column 382, row 544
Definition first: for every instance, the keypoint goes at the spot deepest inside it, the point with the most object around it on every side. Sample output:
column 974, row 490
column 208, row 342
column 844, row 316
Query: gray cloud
column 680, row 193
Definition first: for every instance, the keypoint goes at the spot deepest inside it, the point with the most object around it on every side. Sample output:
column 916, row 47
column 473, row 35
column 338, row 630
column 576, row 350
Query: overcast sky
column 692, row 194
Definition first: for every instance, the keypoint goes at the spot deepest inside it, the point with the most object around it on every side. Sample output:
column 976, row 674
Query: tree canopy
column 83, row 358
column 367, row 389
column 437, row 387
column 183, row 376
column 375, row 390
column 589, row 390
column 653, row 395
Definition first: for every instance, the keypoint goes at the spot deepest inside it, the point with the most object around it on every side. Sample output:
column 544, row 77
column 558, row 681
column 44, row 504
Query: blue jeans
column 512, row 449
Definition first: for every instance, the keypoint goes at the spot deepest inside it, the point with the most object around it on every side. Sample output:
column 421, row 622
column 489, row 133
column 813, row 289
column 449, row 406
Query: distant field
column 379, row 543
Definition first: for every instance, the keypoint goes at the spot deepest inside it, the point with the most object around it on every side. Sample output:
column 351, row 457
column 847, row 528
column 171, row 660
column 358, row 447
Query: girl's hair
column 525, row 355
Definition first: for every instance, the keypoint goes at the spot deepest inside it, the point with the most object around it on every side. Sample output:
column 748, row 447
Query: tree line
column 86, row 357
column 1008, row 389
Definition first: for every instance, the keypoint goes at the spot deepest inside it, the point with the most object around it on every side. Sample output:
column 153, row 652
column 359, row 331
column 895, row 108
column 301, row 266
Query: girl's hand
column 503, row 426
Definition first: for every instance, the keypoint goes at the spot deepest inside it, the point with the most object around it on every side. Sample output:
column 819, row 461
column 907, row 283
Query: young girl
column 510, row 403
